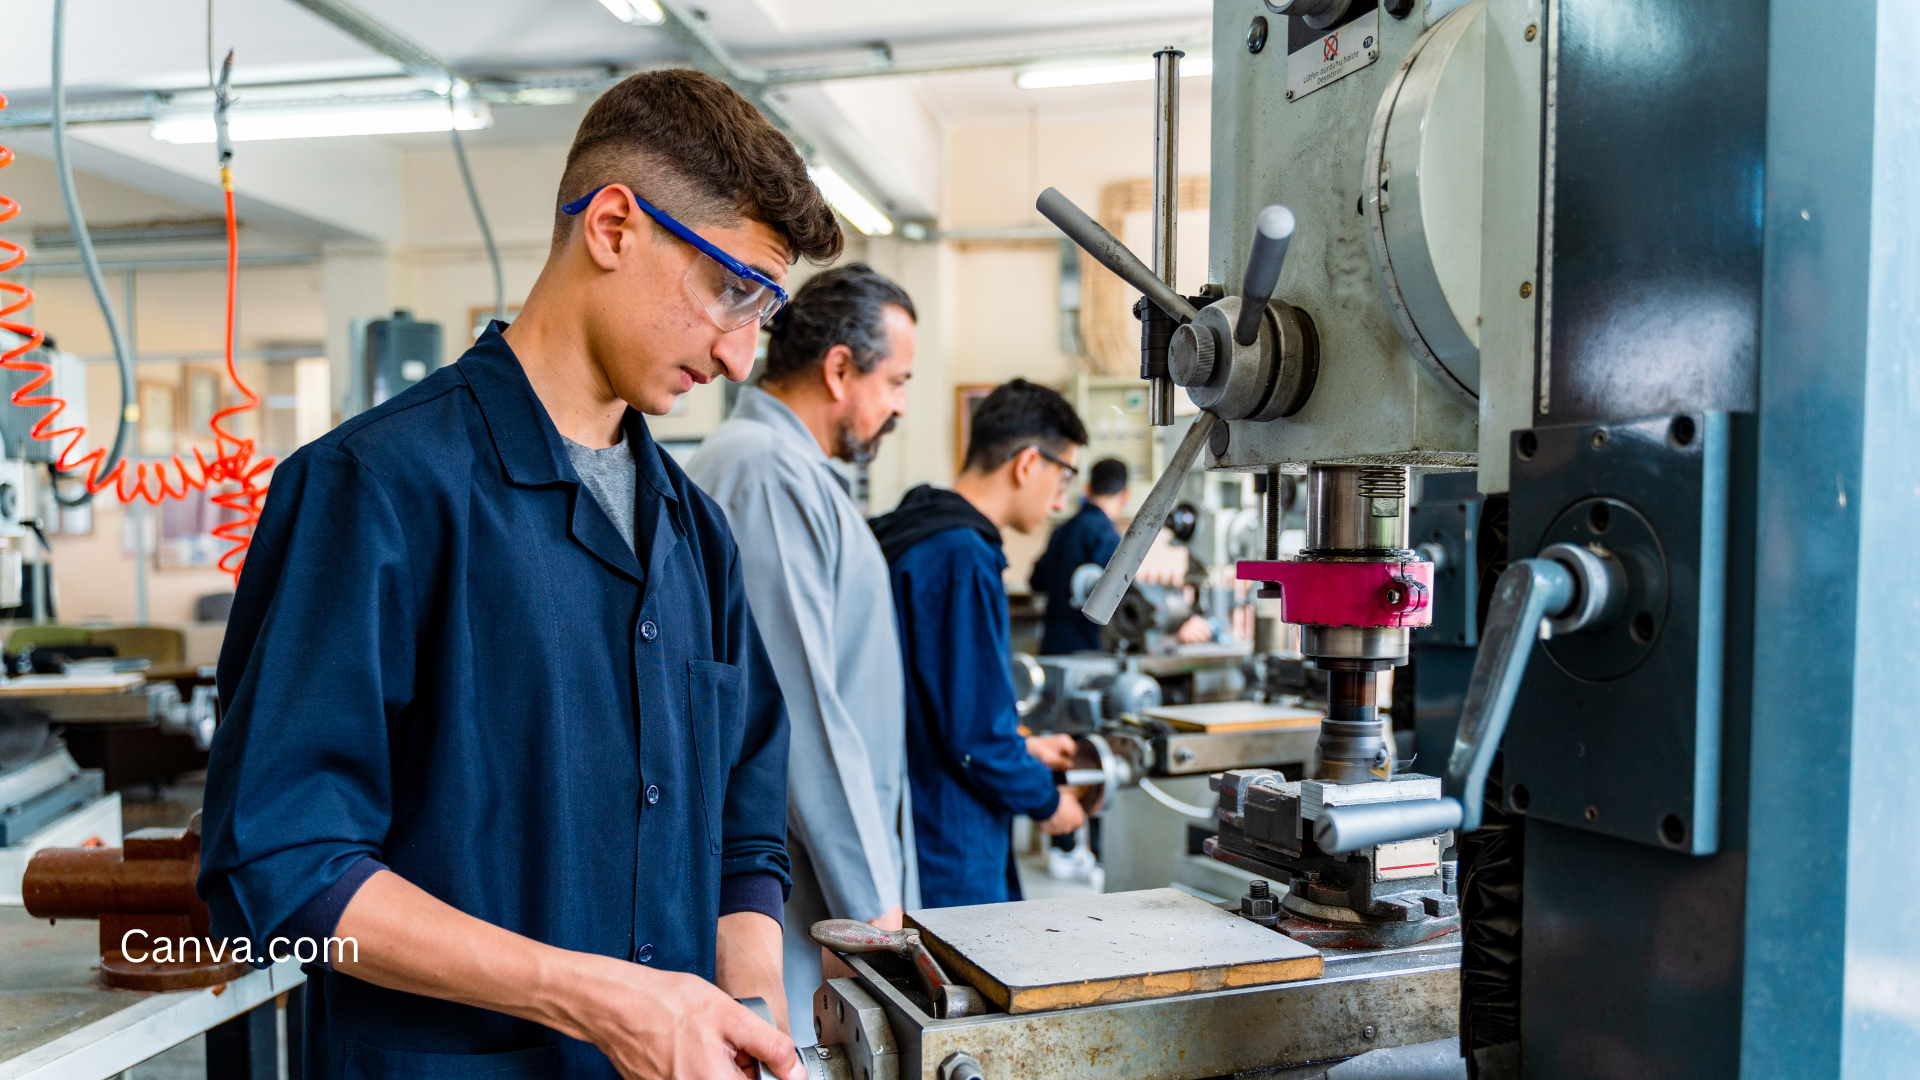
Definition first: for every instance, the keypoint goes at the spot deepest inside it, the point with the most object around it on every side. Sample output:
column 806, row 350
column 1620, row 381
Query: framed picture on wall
column 965, row 400
column 206, row 395
column 479, row 317
column 158, row 418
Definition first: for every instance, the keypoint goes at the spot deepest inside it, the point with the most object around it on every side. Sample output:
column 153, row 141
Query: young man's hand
column 667, row 1025
column 1067, row 818
column 653, row 1025
column 1053, row 751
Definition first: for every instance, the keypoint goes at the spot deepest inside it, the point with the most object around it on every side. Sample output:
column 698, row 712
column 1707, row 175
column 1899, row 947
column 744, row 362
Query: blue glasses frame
column 733, row 265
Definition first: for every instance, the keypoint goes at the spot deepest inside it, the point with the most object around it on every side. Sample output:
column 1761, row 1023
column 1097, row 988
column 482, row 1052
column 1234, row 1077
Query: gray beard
column 850, row 449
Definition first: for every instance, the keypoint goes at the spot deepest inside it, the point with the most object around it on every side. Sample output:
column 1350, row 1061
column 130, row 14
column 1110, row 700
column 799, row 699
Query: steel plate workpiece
column 1086, row 950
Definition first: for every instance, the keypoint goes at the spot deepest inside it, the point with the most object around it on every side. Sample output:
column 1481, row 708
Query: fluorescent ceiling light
column 1044, row 78
column 324, row 119
column 636, row 12
column 852, row 205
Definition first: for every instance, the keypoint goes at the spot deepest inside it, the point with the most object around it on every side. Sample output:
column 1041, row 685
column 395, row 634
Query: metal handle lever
column 764, row 1011
column 1271, row 231
column 950, row 999
column 1529, row 591
column 1146, row 524
column 1109, row 252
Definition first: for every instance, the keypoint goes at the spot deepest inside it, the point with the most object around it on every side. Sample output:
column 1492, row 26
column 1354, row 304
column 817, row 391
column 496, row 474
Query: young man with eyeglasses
column 969, row 769
column 496, row 708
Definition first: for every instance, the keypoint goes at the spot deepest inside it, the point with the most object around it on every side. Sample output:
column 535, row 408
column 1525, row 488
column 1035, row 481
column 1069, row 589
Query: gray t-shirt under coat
column 610, row 474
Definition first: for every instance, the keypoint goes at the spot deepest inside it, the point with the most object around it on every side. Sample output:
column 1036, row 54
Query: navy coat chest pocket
column 373, row 1063
column 716, row 701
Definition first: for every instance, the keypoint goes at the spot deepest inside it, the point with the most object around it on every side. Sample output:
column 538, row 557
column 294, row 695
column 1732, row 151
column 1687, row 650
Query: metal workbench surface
column 57, row 1022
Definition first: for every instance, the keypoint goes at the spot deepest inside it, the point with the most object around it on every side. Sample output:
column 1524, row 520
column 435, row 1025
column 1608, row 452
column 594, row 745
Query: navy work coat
column 1086, row 537
column 966, row 760
column 443, row 655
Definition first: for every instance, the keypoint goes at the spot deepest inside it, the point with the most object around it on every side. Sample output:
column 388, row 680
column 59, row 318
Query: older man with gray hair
column 835, row 382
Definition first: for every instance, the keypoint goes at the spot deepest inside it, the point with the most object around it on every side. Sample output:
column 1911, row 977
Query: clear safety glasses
column 733, row 293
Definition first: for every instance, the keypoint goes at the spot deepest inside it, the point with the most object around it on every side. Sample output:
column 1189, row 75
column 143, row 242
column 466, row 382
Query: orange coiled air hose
column 233, row 461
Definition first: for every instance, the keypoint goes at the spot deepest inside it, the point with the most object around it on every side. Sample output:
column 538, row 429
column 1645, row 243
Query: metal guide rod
column 1146, row 524
column 1109, row 252
column 1166, row 204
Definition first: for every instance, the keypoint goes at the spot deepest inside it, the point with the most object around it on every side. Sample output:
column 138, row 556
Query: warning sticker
column 1317, row 58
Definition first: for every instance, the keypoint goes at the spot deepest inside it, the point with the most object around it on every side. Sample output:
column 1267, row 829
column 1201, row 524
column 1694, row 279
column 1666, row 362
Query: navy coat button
column 645, row 953
column 653, row 794
column 648, row 630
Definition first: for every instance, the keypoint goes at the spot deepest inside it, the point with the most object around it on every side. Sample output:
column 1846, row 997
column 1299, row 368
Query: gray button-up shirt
column 818, row 587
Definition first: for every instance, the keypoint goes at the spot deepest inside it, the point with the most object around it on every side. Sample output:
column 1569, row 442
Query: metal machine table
column 57, row 1022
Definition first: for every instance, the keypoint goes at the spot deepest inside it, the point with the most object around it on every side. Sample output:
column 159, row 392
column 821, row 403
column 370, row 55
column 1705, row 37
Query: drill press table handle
column 1530, row 591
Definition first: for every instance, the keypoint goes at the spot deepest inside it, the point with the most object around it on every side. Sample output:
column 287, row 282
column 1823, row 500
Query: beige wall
column 1005, row 311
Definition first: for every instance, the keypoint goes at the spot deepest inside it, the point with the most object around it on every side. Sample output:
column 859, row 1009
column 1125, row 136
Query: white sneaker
column 1075, row 865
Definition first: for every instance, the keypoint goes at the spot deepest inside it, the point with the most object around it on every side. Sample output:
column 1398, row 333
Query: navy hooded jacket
column 444, row 657
column 1086, row 537
column 966, row 761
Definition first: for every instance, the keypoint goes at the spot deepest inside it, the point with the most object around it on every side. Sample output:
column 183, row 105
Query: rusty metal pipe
column 84, row 883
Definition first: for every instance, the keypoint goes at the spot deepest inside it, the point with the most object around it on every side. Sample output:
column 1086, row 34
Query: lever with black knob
column 1244, row 357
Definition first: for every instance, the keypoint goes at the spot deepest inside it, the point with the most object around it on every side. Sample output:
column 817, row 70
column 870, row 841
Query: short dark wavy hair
column 691, row 145
column 846, row 305
column 1020, row 413
column 1107, row 477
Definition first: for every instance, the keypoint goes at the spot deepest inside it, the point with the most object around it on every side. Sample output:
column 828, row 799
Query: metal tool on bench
column 950, row 1000
column 144, row 896
column 39, row 780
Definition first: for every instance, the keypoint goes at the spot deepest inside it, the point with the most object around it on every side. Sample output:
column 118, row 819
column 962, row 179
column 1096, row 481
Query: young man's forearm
column 651, row 1024
column 747, row 961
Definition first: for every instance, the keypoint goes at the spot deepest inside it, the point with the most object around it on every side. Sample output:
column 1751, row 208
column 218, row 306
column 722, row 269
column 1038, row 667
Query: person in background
column 969, row 768
column 1088, row 537
column 835, row 382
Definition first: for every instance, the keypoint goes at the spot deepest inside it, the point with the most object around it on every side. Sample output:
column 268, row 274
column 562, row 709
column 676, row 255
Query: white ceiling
column 883, row 127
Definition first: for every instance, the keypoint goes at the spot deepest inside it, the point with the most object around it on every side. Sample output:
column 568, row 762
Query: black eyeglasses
column 1067, row 471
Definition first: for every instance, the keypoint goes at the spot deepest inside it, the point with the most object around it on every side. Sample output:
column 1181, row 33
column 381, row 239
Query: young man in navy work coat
column 496, row 709
column 1088, row 537
column 969, row 768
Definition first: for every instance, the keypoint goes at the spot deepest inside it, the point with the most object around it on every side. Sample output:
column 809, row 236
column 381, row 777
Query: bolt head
column 1368, row 1032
